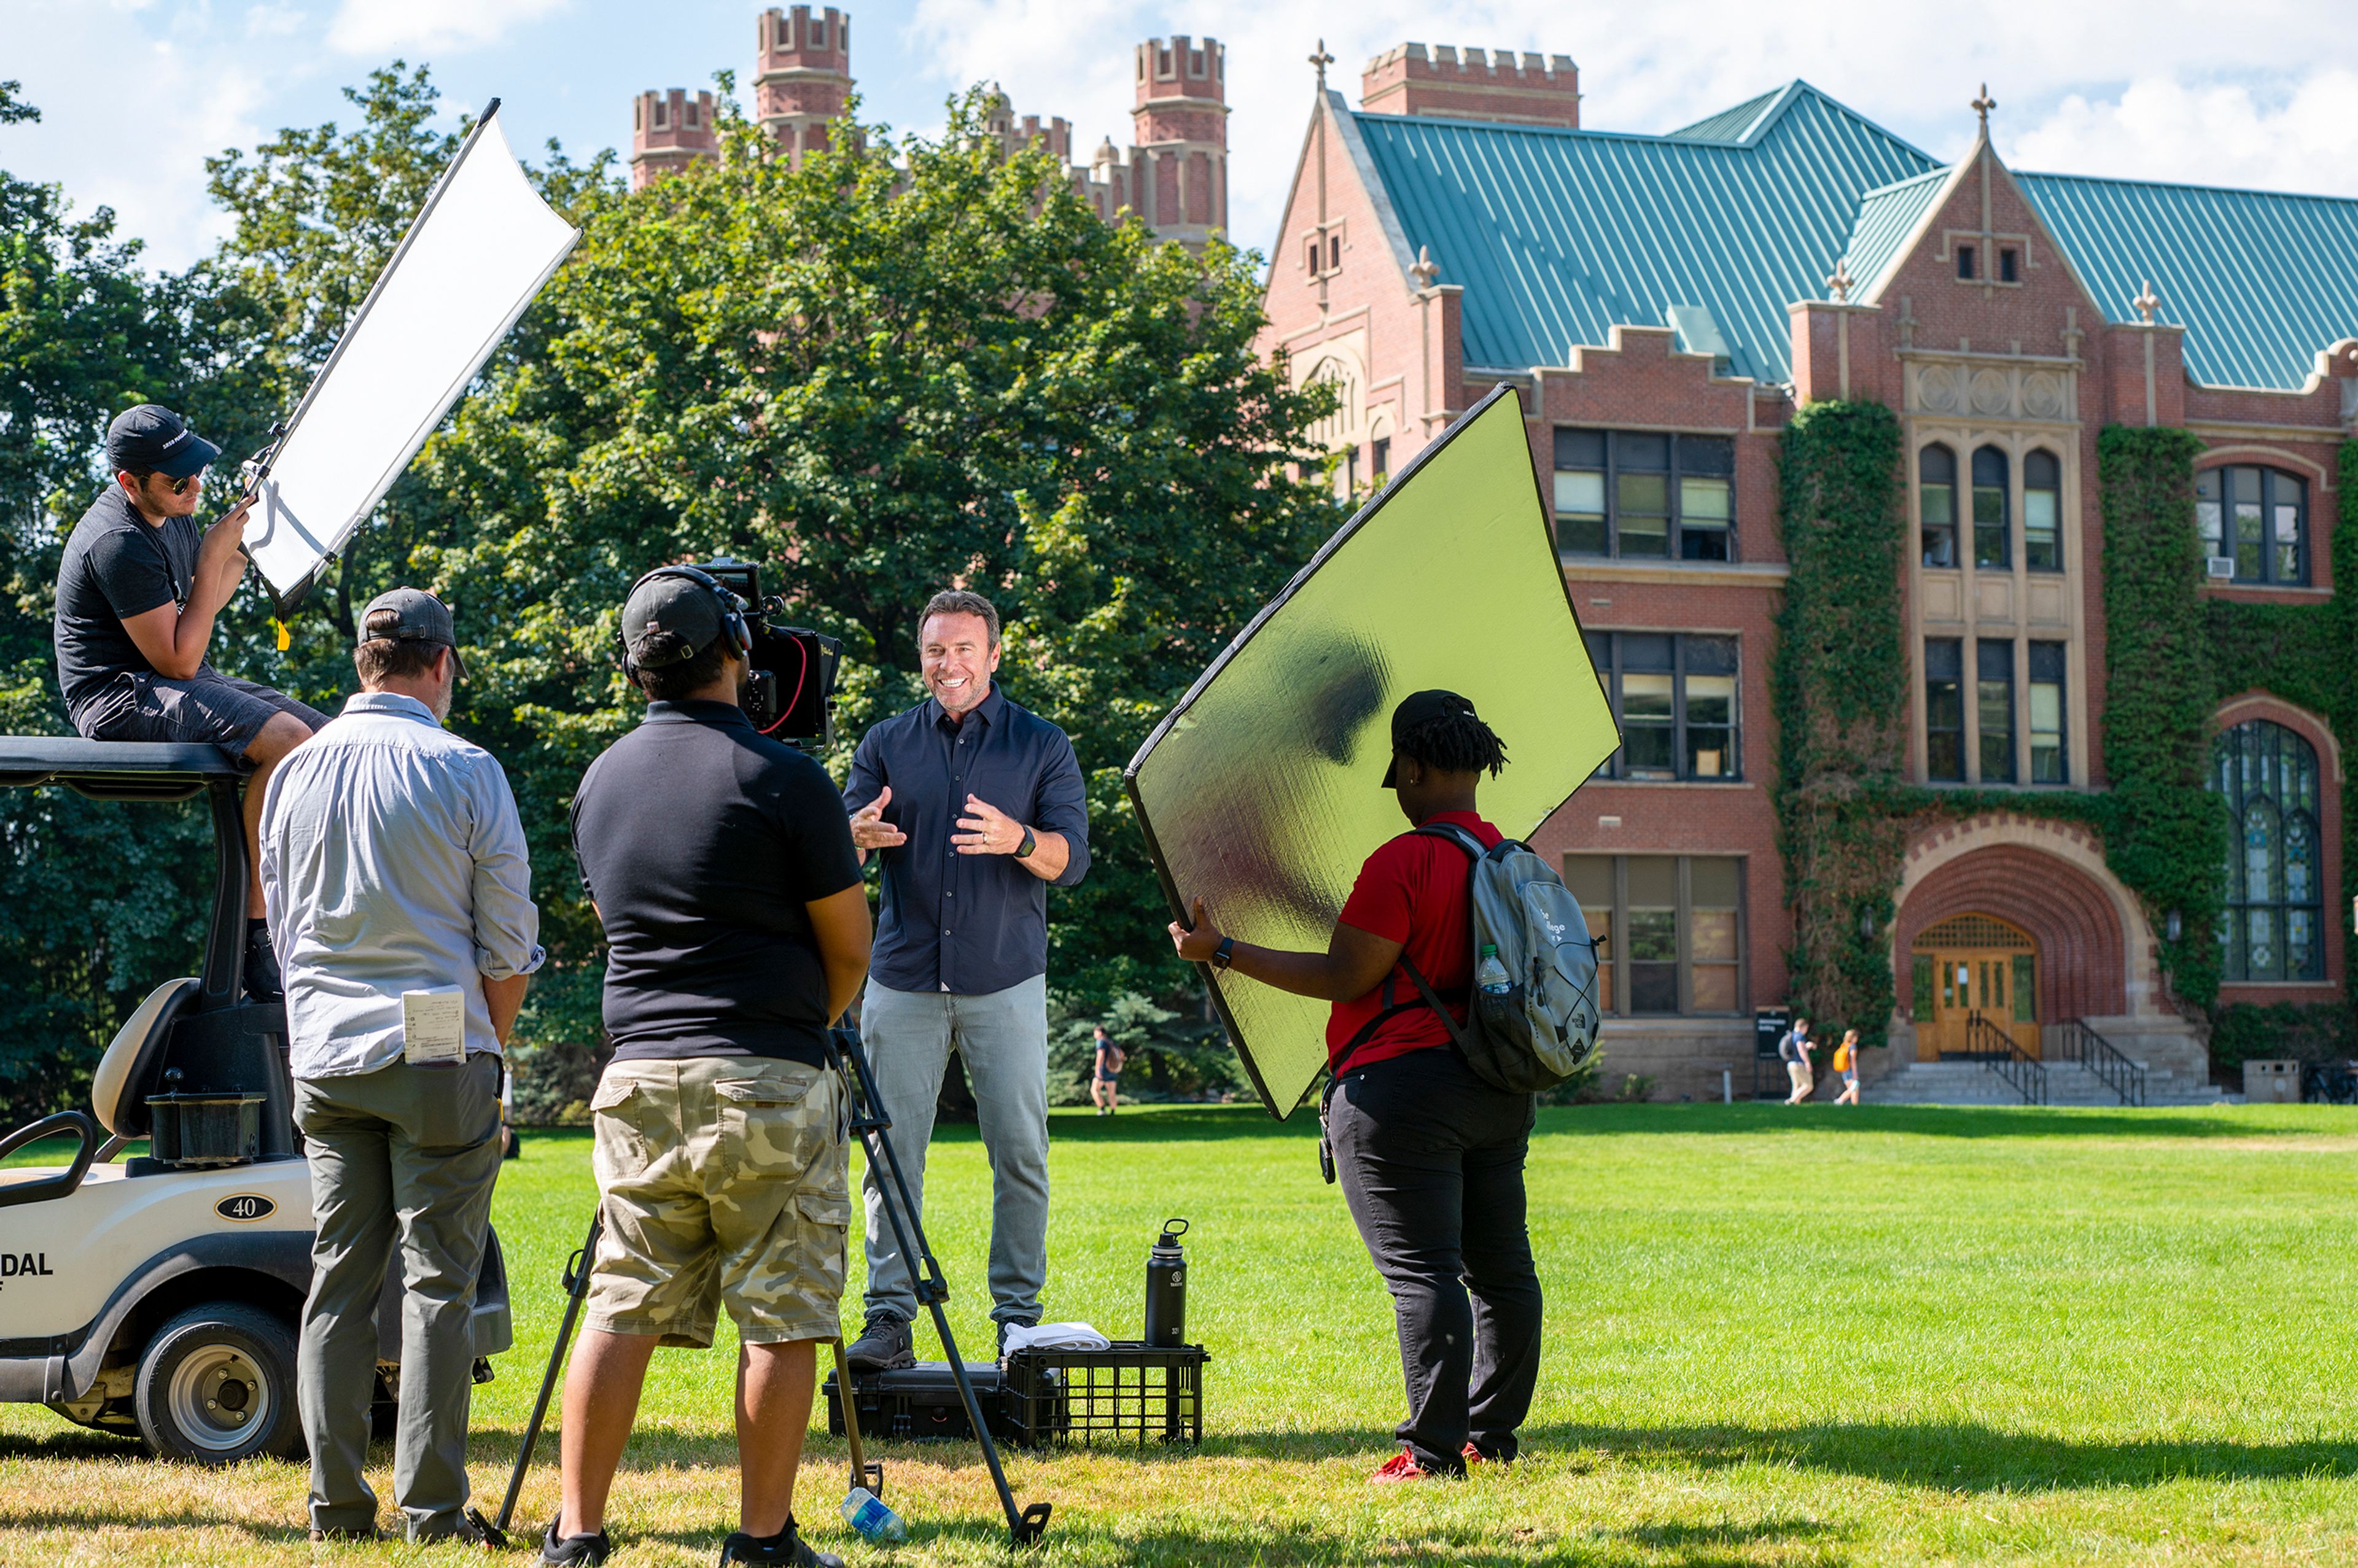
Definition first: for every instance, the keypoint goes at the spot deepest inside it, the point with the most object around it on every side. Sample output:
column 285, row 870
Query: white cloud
column 422, row 27
column 2302, row 139
column 272, row 21
column 126, row 120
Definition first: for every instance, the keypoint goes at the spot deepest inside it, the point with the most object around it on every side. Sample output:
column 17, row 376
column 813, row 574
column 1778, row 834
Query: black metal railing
column 1994, row 1048
column 2073, row 1041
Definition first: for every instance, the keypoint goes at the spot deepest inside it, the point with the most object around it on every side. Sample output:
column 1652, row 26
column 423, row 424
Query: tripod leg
column 862, row 1473
column 577, row 1288
column 1024, row 1525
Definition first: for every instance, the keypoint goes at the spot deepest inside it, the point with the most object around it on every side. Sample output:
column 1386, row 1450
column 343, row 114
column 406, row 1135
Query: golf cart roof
column 114, row 770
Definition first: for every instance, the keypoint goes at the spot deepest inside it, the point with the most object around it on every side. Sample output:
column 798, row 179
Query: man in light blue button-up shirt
column 400, row 904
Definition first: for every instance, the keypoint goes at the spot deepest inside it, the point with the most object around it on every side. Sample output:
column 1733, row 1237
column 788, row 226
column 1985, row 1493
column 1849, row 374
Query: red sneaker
column 1474, row 1457
column 1401, row 1466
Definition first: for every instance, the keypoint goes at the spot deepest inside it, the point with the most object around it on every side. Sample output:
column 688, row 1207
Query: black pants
column 1431, row 1161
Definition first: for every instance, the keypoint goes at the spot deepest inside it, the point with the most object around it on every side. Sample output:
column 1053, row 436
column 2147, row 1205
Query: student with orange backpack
column 1846, row 1063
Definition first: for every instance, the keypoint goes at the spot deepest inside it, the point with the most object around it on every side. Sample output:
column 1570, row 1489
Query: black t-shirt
column 701, row 840
column 116, row 566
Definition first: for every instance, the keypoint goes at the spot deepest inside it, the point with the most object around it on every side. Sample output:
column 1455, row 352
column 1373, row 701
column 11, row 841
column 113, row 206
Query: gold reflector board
column 1261, row 792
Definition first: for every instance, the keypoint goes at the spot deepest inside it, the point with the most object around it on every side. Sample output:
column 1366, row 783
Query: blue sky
column 136, row 93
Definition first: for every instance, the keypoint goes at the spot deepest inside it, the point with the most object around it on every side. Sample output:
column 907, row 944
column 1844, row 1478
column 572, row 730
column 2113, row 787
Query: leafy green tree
column 1166, row 1054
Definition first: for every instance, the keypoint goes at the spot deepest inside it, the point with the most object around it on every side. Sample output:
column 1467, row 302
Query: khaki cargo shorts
column 722, row 1179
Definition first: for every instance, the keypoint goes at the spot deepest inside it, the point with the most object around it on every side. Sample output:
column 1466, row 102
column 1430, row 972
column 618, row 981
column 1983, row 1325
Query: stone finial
column 1321, row 60
column 1424, row 271
column 2147, row 303
column 1838, row 282
column 1982, row 105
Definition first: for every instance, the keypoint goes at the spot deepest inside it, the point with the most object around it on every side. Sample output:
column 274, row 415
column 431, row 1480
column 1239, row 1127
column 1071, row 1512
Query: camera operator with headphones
column 737, row 929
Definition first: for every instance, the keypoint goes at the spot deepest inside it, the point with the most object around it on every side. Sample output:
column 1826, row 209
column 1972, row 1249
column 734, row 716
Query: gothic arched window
column 2272, row 927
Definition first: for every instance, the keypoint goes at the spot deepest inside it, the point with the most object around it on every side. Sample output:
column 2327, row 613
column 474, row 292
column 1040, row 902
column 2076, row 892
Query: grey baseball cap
column 422, row 619
column 152, row 437
column 679, row 605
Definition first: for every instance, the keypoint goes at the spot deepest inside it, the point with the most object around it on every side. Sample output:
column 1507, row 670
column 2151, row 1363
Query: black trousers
column 1431, row 1161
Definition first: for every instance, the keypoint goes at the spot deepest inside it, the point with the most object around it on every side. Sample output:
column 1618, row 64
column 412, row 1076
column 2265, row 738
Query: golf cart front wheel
column 217, row 1384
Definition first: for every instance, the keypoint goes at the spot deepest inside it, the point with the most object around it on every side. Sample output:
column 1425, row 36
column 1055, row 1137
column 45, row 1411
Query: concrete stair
column 2068, row 1083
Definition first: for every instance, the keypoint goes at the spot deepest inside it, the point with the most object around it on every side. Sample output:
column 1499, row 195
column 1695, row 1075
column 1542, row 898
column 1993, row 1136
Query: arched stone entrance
column 2093, row 950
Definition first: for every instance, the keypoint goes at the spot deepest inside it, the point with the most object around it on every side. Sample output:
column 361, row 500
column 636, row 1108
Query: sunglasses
column 180, row 486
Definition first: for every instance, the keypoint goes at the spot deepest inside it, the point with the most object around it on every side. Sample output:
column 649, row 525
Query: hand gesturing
column 868, row 829
column 987, row 830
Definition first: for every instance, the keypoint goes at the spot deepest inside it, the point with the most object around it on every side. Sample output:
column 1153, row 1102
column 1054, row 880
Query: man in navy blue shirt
column 977, row 807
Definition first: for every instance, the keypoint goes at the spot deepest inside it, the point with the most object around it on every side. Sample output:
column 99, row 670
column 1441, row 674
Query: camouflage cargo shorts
column 723, row 1181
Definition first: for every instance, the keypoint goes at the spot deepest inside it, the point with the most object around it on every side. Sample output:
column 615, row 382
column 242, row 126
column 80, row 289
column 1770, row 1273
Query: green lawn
column 1889, row 1334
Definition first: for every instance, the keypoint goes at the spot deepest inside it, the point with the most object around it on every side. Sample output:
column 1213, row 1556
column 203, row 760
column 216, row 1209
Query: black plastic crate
column 1131, row 1393
column 915, row 1403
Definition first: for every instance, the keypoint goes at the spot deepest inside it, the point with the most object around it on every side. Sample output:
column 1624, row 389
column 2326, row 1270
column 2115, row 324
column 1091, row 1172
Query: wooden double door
column 1971, row 964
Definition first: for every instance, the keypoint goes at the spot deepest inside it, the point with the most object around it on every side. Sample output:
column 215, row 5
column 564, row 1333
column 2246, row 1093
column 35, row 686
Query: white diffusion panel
column 484, row 247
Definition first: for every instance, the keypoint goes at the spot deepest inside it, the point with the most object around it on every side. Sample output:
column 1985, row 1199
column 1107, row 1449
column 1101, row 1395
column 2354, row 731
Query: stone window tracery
column 2272, row 927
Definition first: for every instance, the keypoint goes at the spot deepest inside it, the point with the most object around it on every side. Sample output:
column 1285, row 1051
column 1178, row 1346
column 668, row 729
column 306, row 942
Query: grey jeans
column 404, row 1156
column 1002, row 1037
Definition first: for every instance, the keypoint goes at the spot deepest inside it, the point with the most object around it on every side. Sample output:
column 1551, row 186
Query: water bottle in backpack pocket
column 1533, row 1017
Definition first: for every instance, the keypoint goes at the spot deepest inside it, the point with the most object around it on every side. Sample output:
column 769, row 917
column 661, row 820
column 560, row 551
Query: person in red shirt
column 1430, row 1156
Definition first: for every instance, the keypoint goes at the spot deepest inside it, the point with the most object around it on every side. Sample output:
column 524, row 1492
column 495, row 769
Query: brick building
column 1666, row 303
column 1173, row 176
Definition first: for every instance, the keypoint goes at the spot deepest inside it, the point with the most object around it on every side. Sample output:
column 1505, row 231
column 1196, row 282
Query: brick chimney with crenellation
column 668, row 132
column 1473, row 84
column 802, row 75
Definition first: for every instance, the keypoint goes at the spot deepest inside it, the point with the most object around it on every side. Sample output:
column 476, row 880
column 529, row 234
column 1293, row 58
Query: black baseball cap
column 152, row 437
column 671, row 602
column 422, row 619
column 1416, row 710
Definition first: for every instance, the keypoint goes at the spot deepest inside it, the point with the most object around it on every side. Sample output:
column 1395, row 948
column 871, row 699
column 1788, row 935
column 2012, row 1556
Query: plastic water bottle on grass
column 1491, row 975
column 866, row 1512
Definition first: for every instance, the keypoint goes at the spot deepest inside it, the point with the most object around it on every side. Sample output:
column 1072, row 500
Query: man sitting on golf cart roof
column 137, row 592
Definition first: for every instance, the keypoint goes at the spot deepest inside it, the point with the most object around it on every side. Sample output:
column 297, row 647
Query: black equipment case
column 918, row 1402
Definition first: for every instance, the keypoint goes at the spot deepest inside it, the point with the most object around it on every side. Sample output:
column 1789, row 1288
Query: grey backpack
column 1536, row 1033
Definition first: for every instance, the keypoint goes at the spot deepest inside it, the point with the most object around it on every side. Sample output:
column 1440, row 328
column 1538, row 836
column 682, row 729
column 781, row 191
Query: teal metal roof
column 1559, row 235
column 1887, row 216
column 1729, row 124
column 2260, row 281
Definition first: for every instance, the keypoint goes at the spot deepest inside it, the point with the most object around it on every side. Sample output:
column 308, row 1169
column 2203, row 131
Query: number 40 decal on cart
column 245, row 1206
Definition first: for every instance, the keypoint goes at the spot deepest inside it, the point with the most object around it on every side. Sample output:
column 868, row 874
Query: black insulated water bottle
column 1166, row 1288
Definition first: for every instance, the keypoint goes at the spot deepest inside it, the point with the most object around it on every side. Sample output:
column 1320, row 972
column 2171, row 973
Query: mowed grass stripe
column 1814, row 1337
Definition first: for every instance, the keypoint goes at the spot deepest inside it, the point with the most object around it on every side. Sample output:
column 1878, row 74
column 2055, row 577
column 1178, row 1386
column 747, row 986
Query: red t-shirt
column 1411, row 890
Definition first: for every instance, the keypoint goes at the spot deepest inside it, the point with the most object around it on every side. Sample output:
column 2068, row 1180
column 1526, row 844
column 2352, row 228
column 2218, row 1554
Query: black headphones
column 732, row 614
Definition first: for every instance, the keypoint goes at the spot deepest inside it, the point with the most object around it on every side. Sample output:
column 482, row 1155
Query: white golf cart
column 159, row 1298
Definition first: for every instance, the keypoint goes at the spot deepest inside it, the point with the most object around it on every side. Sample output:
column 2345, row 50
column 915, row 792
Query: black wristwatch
column 1225, row 954
column 1030, row 842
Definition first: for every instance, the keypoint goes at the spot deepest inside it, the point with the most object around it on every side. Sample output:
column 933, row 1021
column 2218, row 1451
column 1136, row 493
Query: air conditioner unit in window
column 2221, row 568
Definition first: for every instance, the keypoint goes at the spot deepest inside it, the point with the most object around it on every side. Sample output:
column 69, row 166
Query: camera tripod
column 1025, row 1525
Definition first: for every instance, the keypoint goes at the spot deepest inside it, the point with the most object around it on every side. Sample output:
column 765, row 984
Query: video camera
column 790, row 693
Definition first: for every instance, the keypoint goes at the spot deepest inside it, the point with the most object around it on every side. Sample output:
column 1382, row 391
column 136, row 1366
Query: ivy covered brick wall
column 1839, row 685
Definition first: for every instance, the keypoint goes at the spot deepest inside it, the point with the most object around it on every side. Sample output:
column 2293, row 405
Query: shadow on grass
column 74, row 1443
column 1953, row 1457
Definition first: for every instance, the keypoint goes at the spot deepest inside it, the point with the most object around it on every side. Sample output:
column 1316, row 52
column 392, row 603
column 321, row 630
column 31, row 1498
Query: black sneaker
column 1007, row 1322
column 786, row 1549
column 586, row 1551
column 261, row 982
column 884, row 1344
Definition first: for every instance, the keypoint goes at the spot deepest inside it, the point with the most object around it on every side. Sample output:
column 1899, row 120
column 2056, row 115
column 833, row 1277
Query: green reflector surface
column 1261, row 791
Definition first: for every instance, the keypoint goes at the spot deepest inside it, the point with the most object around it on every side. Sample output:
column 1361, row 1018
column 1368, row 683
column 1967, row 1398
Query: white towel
column 1056, row 1336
